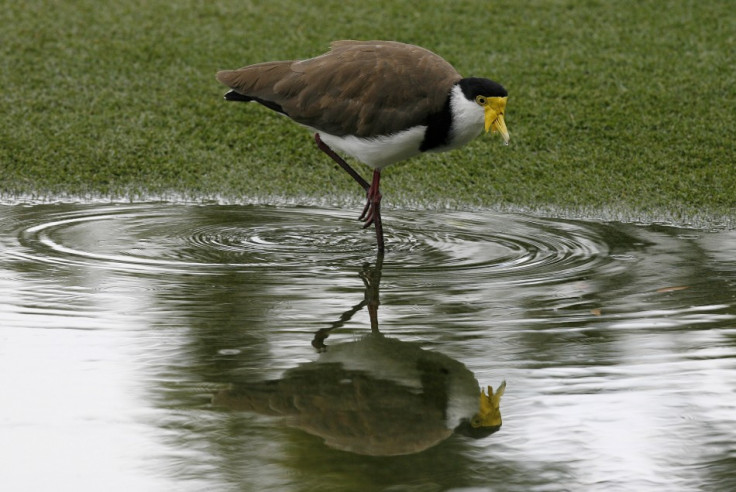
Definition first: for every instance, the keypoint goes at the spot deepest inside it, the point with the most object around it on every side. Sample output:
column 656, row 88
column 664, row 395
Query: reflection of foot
column 371, row 279
column 318, row 341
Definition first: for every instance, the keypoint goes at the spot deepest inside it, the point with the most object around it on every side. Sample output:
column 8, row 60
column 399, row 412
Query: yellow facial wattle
column 494, row 108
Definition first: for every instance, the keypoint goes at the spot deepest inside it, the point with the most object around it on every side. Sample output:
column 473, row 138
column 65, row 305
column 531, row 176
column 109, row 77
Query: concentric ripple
column 209, row 239
column 122, row 320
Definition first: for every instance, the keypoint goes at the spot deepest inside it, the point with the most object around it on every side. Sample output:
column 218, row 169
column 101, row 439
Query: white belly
column 379, row 152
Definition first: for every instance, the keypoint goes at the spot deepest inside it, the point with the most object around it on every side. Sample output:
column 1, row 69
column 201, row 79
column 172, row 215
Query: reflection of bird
column 378, row 101
column 376, row 396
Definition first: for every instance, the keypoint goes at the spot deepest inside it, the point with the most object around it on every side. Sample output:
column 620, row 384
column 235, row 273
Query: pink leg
column 324, row 148
column 372, row 211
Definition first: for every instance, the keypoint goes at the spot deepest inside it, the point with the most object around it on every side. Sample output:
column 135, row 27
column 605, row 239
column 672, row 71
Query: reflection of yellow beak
column 494, row 109
column 490, row 408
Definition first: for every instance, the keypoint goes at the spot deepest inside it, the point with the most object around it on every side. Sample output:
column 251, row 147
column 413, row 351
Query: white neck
column 467, row 119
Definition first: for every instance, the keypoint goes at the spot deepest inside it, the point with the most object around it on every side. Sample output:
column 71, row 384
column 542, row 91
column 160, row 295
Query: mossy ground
column 626, row 105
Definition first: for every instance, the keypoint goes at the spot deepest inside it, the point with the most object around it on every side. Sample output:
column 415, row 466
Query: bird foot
column 372, row 210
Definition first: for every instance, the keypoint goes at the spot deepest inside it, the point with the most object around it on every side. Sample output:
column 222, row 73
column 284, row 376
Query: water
column 121, row 323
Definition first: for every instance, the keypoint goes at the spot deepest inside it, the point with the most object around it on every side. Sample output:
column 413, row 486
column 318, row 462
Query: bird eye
column 480, row 100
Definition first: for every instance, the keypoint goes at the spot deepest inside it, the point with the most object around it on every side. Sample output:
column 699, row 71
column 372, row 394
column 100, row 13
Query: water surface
column 120, row 323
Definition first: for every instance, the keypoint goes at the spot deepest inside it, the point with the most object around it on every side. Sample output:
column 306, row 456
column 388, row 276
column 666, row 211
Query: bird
column 376, row 396
column 379, row 102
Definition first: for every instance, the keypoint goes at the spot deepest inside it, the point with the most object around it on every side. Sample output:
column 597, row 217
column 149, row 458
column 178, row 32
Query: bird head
column 491, row 97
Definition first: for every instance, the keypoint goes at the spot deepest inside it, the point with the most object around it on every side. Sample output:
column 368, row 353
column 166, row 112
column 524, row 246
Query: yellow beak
column 494, row 110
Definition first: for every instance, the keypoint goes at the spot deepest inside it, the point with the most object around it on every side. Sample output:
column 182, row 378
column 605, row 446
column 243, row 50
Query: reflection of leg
column 373, row 314
column 321, row 335
column 371, row 280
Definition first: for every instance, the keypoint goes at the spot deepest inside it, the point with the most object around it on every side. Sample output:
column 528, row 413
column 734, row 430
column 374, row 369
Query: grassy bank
column 626, row 105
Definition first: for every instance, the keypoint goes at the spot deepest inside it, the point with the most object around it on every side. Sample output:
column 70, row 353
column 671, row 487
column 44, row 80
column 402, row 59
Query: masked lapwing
column 379, row 102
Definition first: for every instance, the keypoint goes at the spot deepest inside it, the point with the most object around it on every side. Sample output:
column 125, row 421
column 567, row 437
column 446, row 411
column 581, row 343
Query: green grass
column 626, row 106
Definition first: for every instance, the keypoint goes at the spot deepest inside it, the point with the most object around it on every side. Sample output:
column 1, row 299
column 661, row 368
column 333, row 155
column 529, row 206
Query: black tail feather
column 236, row 96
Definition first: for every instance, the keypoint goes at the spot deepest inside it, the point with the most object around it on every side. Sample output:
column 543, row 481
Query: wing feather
column 362, row 88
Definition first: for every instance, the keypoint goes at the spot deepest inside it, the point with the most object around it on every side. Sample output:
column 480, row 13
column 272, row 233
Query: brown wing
column 362, row 88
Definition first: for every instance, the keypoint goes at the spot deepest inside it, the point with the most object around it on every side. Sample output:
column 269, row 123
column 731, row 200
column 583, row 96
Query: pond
column 209, row 347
